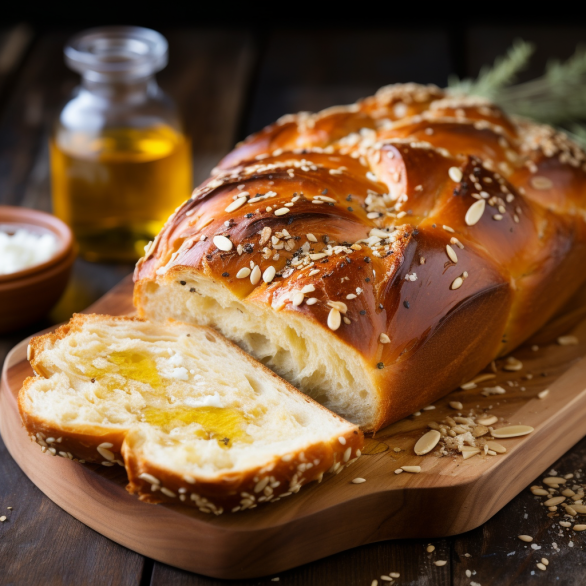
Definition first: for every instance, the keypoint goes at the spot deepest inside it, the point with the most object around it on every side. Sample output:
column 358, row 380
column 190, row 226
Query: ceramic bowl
column 27, row 295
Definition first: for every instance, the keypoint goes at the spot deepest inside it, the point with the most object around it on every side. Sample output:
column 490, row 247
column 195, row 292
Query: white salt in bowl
column 27, row 295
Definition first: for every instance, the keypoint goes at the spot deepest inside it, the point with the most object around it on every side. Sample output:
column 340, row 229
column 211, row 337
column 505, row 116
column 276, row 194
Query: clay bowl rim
column 26, row 216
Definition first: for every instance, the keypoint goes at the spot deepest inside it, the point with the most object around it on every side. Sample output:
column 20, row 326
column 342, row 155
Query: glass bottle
column 120, row 162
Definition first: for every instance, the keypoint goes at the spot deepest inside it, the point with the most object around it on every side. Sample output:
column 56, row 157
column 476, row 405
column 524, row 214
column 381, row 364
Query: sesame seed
column 312, row 301
column 456, row 405
column 475, row 212
column 455, row 174
column 526, row 538
column 223, row 243
column 384, row 339
column 243, row 273
column 281, row 211
column 297, row 299
column 3, row 518
column 454, row 240
column 342, row 440
column 579, row 527
column 269, row 274
column 237, row 203
column 543, row 394
column 448, row 229
column 168, row 492
column 255, row 275
column 568, row 340
column 399, row 471
column 311, row 237
column 456, row 283
column 540, row 183
column 451, row 254
column 541, row 566
column 440, row 563
column 334, row 319
column 430, row 548
column 308, row 288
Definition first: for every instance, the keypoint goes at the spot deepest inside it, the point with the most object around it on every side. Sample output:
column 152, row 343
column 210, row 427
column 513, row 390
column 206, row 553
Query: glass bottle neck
column 133, row 90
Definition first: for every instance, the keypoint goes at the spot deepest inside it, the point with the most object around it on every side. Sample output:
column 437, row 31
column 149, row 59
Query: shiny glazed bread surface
column 367, row 209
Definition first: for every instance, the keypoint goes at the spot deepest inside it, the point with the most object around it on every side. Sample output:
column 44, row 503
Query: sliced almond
column 496, row 447
column 427, row 442
column 412, row 469
column 490, row 420
column 512, row 431
column 469, row 453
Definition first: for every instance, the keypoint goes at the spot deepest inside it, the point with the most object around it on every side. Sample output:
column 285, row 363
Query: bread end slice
column 191, row 417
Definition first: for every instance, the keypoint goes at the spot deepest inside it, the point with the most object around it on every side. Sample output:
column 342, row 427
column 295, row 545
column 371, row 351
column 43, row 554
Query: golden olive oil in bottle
column 116, row 189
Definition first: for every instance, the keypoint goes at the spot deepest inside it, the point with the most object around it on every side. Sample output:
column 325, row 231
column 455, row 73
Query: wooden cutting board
column 449, row 496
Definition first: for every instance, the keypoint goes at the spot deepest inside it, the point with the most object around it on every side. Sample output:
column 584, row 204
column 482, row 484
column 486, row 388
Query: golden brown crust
column 222, row 493
column 411, row 160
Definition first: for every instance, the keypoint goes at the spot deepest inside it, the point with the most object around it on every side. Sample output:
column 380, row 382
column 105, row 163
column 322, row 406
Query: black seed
column 367, row 279
column 349, row 198
column 325, row 239
column 290, row 221
column 350, row 210
column 433, row 225
column 192, row 290
column 381, row 306
column 324, row 192
column 380, row 365
column 330, row 203
column 415, row 232
column 209, row 256
column 366, row 259
column 363, row 312
column 406, row 304
column 225, row 274
column 249, row 216
column 182, row 282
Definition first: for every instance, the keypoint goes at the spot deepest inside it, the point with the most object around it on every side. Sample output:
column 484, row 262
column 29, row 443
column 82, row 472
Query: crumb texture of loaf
column 191, row 417
column 380, row 254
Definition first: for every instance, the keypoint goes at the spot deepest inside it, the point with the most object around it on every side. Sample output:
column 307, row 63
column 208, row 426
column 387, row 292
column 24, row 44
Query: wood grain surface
column 286, row 70
column 449, row 497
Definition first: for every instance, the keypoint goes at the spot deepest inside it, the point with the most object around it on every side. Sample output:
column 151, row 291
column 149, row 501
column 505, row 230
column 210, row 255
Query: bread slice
column 190, row 416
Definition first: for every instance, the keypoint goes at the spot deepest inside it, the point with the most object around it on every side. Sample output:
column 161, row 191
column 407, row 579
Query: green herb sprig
column 558, row 97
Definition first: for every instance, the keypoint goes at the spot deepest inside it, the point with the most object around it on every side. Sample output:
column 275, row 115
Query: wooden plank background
column 229, row 82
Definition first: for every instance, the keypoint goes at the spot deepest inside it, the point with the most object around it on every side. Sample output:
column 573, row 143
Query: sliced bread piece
column 191, row 416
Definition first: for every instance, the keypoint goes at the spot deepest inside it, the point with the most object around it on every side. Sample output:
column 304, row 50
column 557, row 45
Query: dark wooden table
column 229, row 82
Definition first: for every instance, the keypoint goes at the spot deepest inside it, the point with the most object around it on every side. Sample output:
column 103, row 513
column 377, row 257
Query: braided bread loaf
column 378, row 255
